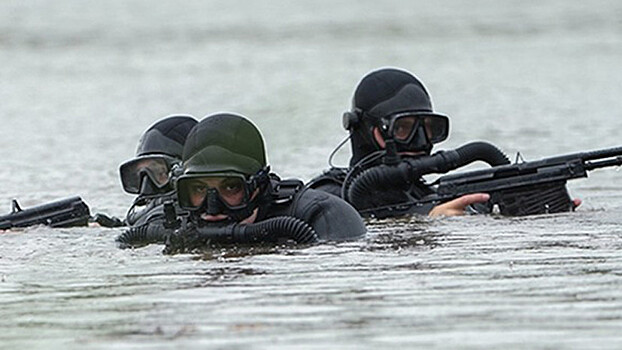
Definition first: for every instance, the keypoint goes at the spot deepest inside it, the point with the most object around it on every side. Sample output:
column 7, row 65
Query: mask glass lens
column 404, row 126
column 192, row 191
column 436, row 128
column 156, row 168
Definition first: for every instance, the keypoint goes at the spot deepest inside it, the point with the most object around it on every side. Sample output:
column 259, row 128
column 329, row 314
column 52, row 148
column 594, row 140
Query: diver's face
column 230, row 189
column 413, row 132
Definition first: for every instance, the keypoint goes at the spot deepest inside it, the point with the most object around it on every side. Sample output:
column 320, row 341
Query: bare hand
column 456, row 206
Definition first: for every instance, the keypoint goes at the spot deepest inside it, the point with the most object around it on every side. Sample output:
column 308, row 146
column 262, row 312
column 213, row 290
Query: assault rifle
column 535, row 187
column 62, row 213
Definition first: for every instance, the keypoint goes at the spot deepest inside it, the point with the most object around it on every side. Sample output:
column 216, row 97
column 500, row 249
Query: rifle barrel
column 603, row 153
column 617, row 161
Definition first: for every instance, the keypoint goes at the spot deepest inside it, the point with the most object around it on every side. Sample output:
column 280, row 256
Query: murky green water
column 81, row 80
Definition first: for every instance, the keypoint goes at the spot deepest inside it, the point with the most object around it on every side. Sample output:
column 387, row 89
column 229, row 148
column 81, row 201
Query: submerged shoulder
column 331, row 217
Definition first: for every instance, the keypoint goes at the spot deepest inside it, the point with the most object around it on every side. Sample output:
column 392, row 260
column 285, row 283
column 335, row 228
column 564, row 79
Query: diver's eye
column 162, row 176
column 429, row 125
column 198, row 189
column 231, row 187
column 403, row 127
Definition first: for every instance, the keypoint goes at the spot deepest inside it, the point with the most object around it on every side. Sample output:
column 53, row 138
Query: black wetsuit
column 139, row 214
column 149, row 217
column 153, row 210
column 332, row 218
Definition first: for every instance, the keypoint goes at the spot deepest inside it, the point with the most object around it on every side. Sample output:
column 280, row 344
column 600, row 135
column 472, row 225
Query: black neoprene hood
column 390, row 90
column 381, row 93
column 224, row 143
column 167, row 136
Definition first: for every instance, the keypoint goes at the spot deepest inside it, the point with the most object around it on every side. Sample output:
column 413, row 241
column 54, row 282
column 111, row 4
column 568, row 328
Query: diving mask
column 230, row 194
column 416, row 131
column 150, row 173
column 403, row 126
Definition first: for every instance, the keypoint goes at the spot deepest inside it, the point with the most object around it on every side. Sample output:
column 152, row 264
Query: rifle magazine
column 545, row 198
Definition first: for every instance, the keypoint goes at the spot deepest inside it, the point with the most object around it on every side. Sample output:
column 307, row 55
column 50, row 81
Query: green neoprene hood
column 224, row 143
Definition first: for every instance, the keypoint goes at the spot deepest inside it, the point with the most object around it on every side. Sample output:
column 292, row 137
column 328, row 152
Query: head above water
column 393, row 100
column 224, row 167
column 222, row 143
column 167, row 136
column 159, row 148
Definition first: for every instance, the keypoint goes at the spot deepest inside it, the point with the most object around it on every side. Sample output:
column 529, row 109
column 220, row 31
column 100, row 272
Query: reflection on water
column 83, row 79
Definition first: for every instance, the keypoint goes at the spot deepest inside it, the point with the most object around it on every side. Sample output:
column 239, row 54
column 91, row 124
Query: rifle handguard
column 66, row 212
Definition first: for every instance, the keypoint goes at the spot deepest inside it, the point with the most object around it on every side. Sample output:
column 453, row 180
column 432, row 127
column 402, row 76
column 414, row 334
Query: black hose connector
column 140, row 236
column 401, row 176
column 270, row 230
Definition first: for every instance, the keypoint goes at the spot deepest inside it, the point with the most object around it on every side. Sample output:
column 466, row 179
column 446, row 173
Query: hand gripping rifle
column 535, row 187
column 61, row 213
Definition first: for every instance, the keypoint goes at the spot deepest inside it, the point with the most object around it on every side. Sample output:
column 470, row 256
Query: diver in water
column 392, row 122
column 226, row 182
column 149, row 174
